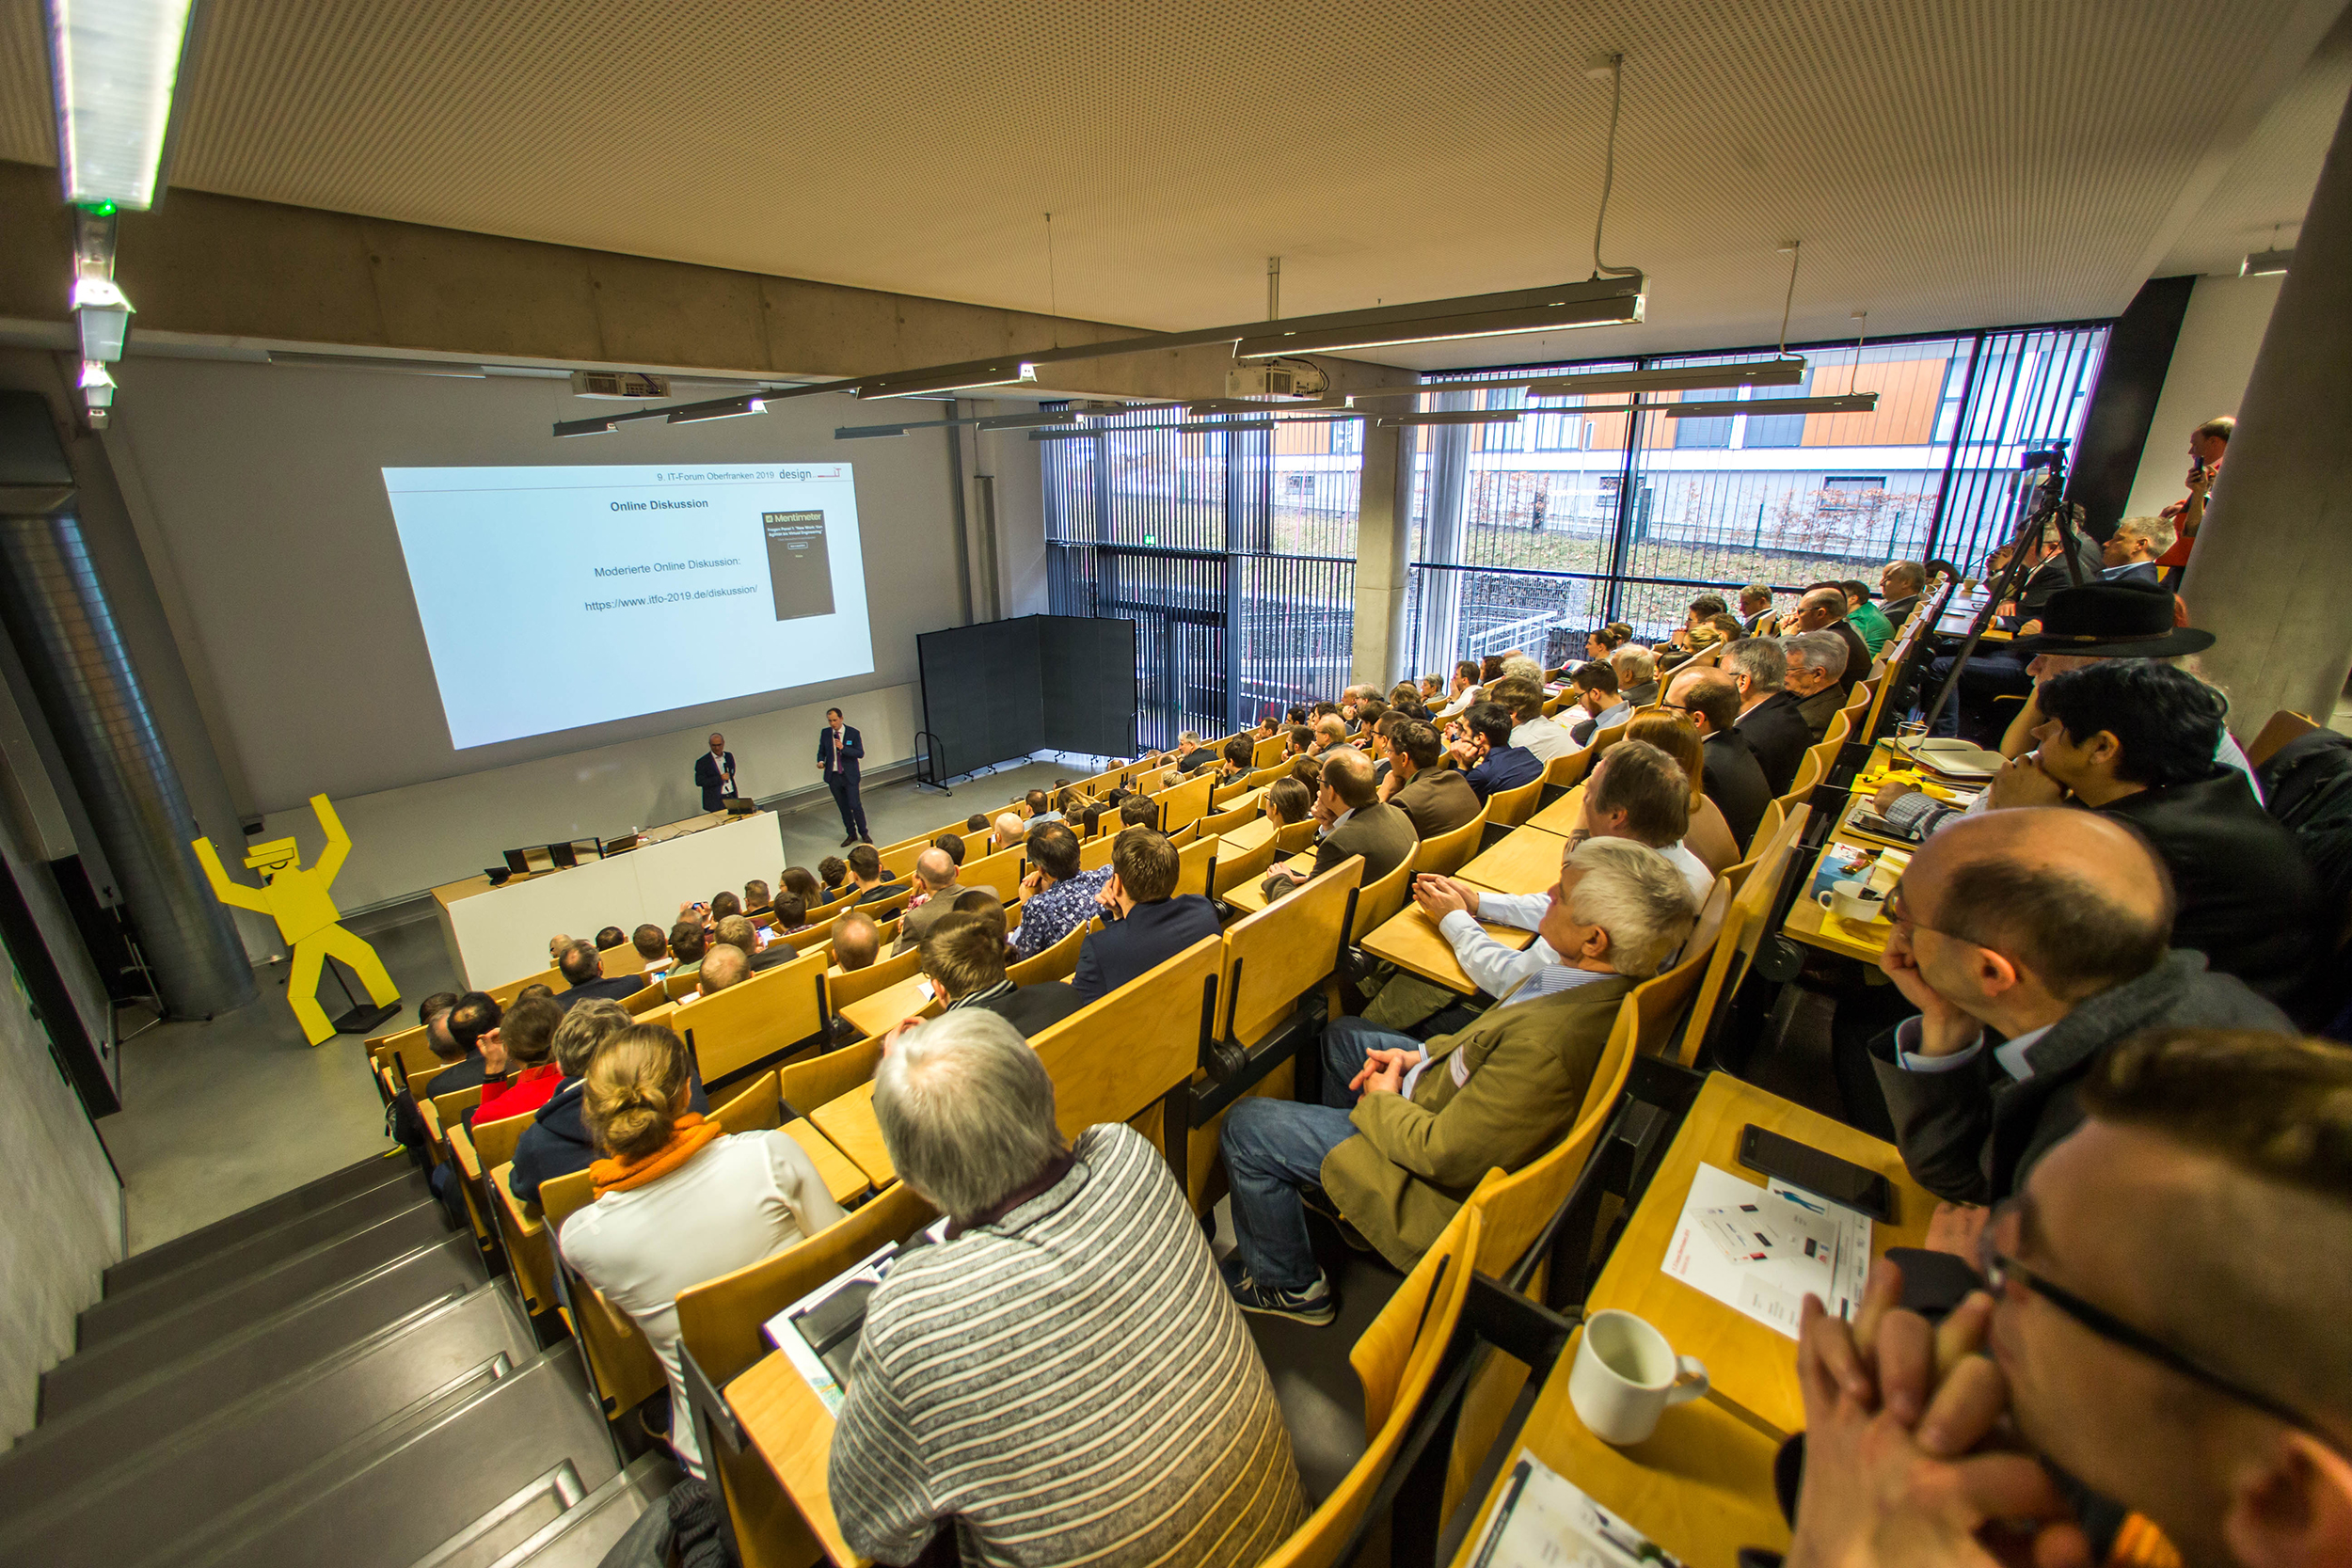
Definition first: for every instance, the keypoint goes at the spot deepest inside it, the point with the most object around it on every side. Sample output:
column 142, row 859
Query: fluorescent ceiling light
column 730, row 408
column 1598, row 302
column 950, row 378
column 1767, row 373
column 2265, row 263
column 1849, row 403
column 115, row 63
column 1455, row 416
column 1138, row 429
column 104, row 316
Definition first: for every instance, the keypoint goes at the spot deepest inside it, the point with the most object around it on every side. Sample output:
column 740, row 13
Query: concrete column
column 2276, row 550
column 1384, row 526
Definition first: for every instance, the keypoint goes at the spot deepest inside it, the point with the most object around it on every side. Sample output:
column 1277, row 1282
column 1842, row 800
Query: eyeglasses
column 1999, row 1269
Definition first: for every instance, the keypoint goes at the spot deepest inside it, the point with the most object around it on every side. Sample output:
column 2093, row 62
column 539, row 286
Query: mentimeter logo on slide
column 556, row 598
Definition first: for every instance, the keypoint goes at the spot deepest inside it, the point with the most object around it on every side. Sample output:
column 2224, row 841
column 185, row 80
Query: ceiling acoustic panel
column 1952, row 164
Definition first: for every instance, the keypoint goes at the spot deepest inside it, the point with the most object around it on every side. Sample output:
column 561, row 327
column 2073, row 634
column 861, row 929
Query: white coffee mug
column 1625, row 1375
column 1846, row 901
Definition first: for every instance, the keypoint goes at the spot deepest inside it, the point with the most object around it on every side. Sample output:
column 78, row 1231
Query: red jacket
column 520, row 1095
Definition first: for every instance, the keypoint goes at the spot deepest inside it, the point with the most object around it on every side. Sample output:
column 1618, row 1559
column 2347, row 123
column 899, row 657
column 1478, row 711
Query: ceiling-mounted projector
column 619, row 386
column 1275, row 380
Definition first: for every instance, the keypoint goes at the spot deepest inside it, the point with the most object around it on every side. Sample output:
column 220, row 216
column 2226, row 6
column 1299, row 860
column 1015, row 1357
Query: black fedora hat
column 2112, row 620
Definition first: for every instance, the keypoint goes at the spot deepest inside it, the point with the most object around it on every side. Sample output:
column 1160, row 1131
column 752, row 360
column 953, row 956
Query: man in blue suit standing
column 838, row 749
column 714, row 771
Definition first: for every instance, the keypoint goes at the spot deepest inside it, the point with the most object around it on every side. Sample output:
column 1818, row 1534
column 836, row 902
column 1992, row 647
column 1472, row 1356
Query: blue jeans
column 1273, row 1148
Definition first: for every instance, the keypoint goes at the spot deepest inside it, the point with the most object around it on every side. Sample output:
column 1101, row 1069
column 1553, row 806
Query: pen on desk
column 1503, row 1509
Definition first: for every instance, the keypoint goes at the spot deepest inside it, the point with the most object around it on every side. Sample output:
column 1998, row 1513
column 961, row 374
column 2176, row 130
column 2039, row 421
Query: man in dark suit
column 1147, row 924
column 1731, row 776
column 2130, row 552
column 714, row 774
column 839, row 749
column 1815, row 662
column 1356, row 821
column 1433, row 797
column 472, row 1025
column 1490, row 762
column 2134, row 738
column 1899, row 586
column 964, row 957
column 584, row 974
column 1823, row 609
column 1775, row 730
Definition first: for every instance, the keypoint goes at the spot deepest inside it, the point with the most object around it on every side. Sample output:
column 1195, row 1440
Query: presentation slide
column 557, row 597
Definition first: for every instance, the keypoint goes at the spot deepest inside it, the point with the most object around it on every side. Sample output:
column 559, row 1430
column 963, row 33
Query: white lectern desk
column 496, row 934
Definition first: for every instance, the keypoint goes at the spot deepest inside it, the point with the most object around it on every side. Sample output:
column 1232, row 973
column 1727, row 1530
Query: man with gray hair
column 1825, row 609
column 724, row 965
column 1060, row 1375
column 2132, row 549
column 1775, row 731
column 1406, row 1129
column 1519, row 667
column 1637, row 674
column 1899, row 586
column 936, row 886
column 1816, row 661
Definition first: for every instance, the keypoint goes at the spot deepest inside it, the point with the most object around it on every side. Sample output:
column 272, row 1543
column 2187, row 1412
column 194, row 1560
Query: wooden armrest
column 431, row 1116
column 461, row 1147
column 525, row 1217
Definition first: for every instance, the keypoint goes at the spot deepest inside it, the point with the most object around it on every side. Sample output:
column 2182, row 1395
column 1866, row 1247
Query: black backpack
column 2307, row 788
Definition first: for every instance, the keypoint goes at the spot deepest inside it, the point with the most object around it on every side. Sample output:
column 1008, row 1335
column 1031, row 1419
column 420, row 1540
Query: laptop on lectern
column 518, row 862
column 562, row 856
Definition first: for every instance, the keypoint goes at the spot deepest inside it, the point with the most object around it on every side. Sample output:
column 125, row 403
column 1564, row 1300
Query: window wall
column 1231, row 545
column 1232, row 541
column 1526, row 534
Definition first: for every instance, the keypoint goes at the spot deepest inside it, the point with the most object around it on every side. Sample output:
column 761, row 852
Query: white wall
column 262, row 512
column 2211, row 363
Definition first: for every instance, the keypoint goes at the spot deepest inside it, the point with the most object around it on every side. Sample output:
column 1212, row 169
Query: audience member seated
column 1265, row 729
column 1434, row 796
column 1298, row 742
column 835, row 872
column 2050, row 929
column 1594, row 683
column 976, row 823
column 2136, row 738
column 1006, row 832
column 1038, row 804
column 1190, row 754
column 653, row 950
column 867, row 876
column 678, row 1200
column 1395, row 1147
column 556, row 944
column 472, row 1024
column 1463, row 692
column 527, row 1039
column 1769, row 719
column 791, row 916
column 1140, row 810
column 1822, row 612
column 950, row 844
column 1755, row 600
column 1637, row 791
column 2130, row 552
column 1056, row 897
column 1330, row 731
column 983, row 902
column 724, row 965
column 756, row 898
column 535, row 990
column 1637, row 673
column 803, row 884
column 1708, row 836
column 609, row 938
column 1286, row 801
column 722, row 904
column 1146, row 925
column 1356, row 821
column 1168, row 1445
column 584, row 971
column 935, row 890
column 1541, row 738
column 2157, row 1334
column 1238, row 753
column 856, row 940
column 1733, row 777
column 1899, row 587
column 964, row 955
column 687, row 942
column 1814, row 662
column 557, row 1142
column 1868, row 621
column 1487, row 759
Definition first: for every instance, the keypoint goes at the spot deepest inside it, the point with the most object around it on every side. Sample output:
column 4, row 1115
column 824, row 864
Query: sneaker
column 1312, row 1305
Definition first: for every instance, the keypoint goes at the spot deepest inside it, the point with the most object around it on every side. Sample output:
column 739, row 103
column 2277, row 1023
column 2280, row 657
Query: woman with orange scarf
column 679, row 1200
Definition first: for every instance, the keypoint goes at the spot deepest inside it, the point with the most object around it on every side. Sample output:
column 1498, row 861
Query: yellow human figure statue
column 306, row 918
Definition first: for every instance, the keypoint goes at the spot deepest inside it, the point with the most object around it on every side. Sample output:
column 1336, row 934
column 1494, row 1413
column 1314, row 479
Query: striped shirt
column 1071, row 1383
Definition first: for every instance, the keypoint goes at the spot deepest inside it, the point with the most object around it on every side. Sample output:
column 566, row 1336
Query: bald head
column 1711, row 697
column 1823, row 607
column 936, row 869
column 2075, row 899
column 1348, row 774
column 724, row 965
column 855, row 940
